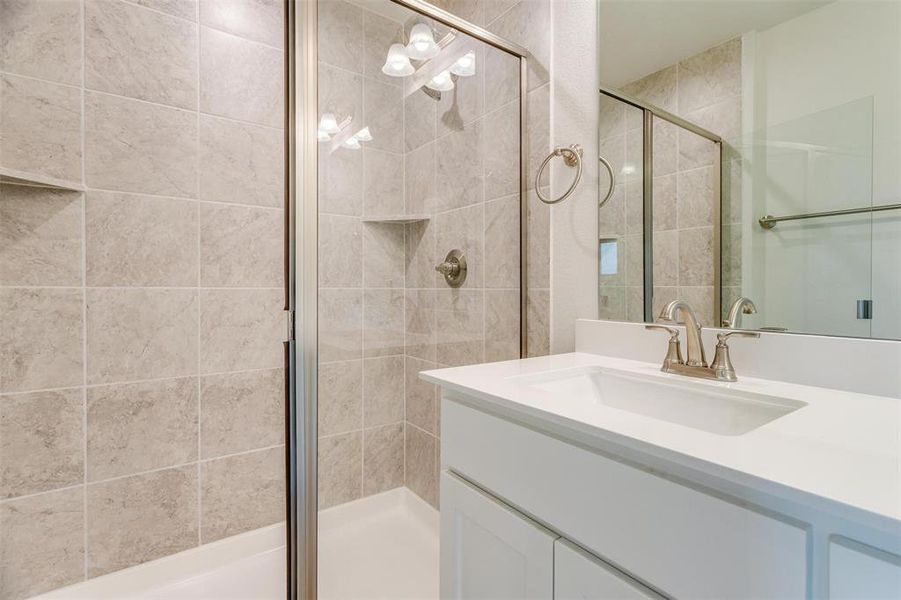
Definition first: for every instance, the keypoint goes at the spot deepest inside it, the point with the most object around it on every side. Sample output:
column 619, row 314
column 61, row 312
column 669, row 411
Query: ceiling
column 639, row 37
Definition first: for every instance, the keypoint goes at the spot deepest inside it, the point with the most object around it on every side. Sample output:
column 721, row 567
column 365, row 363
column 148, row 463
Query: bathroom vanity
column 590, row 475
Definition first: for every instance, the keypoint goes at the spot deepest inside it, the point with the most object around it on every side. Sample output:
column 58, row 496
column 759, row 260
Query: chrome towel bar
column 769, row 221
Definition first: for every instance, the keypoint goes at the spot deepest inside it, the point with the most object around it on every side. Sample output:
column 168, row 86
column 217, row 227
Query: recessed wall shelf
column 398, row 219
column 14, row 176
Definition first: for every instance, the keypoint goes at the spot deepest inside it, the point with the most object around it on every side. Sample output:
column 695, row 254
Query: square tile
column 383, row 390
column 340, row 324
column 41, row 39
column 40, row 236
column 134, row 146
column 241, row 330
column 341, row 35
column 383, row 322
column 139, row 427
column 340, row 251
column 241, row 412
column 137, row 519
column 133, row 52
column 383, row 255
column 241, row 246
column 259, row 20
column 421, row 456
column 241, row 493
column 340, row 468
column 136, row 334
column 422, row 397
column 41, row 543
column 383, row 458
column 240, row 79
column 340, row 397
column 241, row 163
column 41, row 442
column 383, row 113
column 460, row 315
column 41, row 338
column 140, row 240
column 41, row 127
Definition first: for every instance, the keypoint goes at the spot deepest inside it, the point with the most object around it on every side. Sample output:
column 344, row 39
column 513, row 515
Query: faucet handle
column 722, row 337
column 722, row 364
column 673, row 349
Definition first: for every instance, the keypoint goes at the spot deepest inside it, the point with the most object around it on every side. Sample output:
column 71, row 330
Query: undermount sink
column 704, row 406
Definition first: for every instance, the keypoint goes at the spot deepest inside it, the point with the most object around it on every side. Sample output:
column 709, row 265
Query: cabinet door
column 579, row 576
column 858, row 572
column 490, row 551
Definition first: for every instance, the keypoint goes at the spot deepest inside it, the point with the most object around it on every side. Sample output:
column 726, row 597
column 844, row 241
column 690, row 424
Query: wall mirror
column 754, row 151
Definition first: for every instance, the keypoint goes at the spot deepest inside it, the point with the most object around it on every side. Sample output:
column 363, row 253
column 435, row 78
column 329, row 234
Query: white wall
column 574, row 119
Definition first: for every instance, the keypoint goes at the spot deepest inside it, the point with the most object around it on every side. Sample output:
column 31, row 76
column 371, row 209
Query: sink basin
column 708, row 407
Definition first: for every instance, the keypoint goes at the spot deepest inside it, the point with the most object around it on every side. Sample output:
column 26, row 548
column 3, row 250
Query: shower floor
column 383, row 546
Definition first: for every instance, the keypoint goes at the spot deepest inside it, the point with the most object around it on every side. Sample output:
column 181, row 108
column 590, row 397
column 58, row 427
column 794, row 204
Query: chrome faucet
column 741, row 306
column 695, row 365
column 695, row 356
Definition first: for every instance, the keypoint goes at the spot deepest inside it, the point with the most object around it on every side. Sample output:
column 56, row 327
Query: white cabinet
column 580, row 576
column 489, row 551
column 858, row 572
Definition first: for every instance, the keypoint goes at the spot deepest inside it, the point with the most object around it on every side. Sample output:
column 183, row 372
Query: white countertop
column 843, row 448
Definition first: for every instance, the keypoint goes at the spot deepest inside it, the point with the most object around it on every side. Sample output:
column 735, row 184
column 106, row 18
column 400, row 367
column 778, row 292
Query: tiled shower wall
column 385, row 314
column 704, row 89
column 141, row 383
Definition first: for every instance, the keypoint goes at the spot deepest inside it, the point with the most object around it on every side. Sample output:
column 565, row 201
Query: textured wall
column 704, row 89
column 141, row 383
column 385, row 314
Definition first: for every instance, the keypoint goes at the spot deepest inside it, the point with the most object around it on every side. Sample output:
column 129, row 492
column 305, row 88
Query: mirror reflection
column 754, row 152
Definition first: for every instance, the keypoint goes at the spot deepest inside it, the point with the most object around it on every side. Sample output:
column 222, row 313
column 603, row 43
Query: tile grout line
column 84, row 293
column 199, row 472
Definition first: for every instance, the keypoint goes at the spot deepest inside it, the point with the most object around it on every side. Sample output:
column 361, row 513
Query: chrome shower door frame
column 301, row 269
column 649, row 112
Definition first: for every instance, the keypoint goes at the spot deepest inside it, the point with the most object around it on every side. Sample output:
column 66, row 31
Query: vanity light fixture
column 363, row 135
column 422, row 44
column 628, row 169
column 328, row 124
column 465, row 65
column 352, row 143
column 441, row 82
column 398, row 62
column 322, row 136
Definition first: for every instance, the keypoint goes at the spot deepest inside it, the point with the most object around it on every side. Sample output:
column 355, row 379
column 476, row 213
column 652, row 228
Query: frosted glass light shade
column 328, row 124
column 465, row 65
column 322, row 136
column 441, row 82
column 422, row 44
column 363, row 135
column 398, row 62
column 352, row 143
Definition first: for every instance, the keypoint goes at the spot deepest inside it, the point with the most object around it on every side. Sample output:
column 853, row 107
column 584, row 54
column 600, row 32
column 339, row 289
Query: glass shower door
column 420, row 199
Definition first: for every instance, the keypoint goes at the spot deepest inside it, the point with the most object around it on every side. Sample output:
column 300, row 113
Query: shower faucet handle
column 453, row 268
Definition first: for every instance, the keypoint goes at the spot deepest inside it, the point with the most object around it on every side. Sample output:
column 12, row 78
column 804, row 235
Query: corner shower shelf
column 397, row 219
column 14, row 176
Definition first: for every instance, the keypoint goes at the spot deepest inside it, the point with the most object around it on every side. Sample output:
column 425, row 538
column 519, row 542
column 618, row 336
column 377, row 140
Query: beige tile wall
column 141, row 383
column 385, row 314
column 704, row 89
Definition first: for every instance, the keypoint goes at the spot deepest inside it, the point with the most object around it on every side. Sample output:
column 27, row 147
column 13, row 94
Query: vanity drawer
column 680, row 541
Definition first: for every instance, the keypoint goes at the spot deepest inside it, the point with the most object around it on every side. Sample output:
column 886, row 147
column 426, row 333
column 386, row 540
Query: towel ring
column 572, row 157
column 606, row 163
